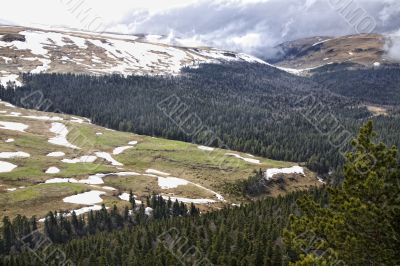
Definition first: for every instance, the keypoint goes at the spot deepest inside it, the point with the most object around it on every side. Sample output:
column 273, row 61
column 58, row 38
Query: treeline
column 60, row 229
column 252, row 108
column 246, row 235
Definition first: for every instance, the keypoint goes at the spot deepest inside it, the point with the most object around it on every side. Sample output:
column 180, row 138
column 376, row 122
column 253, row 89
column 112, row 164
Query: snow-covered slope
column 28, row 50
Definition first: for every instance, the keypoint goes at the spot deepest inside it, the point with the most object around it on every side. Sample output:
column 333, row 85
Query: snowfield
column 86, row 198
column 6, row 167
column 18, row 154
column 61, row 132
column 13, row 126
column 292, row 170
column 95, row 53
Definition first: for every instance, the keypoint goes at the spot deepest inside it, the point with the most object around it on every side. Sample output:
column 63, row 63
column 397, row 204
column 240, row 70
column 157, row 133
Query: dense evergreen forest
column 246, row 235
column 246, row 107
column 379, row 85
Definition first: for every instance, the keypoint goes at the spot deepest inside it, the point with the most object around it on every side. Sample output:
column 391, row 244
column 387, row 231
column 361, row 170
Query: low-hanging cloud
column 257, row 26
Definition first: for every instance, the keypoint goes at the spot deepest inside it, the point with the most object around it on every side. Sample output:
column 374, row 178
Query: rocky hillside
column 363, row 50
column 28, row 50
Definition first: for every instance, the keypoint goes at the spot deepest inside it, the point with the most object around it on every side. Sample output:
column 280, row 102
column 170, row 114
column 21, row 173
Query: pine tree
column 360, row 224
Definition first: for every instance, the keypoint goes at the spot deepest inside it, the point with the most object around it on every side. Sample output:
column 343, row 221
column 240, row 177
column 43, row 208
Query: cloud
column 251, row 26
column 392, row 46
column 257, row 26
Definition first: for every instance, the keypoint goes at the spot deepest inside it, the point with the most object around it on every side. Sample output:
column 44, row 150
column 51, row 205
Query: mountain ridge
column 34, row 50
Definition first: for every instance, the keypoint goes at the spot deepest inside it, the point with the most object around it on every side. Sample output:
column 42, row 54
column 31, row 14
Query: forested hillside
column 380, row 85
column 247, row 235
column 356, row 223
column 247, row 107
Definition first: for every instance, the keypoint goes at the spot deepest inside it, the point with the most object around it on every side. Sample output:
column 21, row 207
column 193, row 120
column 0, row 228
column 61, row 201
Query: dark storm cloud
column 255, row 27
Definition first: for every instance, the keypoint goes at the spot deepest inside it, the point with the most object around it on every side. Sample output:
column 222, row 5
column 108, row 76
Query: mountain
column 353, row 51
column 30, row 50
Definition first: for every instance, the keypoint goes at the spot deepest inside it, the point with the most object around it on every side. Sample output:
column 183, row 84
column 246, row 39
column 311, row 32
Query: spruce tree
column 359, row 225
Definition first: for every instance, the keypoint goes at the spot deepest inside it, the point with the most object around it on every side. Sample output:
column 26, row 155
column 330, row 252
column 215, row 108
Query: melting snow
column 171, row 182
column 61, row 180
column 204, row 148
column 156, row 172
column 125, row 197
column 195, row 201
column 18, row 154
column 9, row 140
column 148, row 211
column 52, row 170
column 13, row 126
column 6, row 167
column 79, row 211
column 106, row 156
column 56, row 154
column 86, row 198
column 249, row 160
column 134, row 142
column 108, row 188
column 82, row 159
column 120, row 150
column 292, row 170
column 10, row 78
column 61, row 132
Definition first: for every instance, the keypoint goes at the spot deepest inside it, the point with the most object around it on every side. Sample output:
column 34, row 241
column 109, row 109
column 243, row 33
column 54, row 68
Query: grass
column 184, row 160
column 38, row 199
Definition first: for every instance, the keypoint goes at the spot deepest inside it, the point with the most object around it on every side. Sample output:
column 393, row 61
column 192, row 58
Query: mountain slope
column 362, row 50
column 28, row 50
column 47, row 158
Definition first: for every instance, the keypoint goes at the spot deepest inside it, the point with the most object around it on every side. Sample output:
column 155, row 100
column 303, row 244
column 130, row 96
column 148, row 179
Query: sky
column 250, row 26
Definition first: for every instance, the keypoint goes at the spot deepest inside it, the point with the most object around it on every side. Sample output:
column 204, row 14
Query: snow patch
column 120, row 150
column 171, row 182
column 125, row 197
column 249, row 160
column 61, row 132
column 205, row 148
column 86, row 198
column 106, row 156
column 292, row 170
column 52, row 170
column 13, row 126
column 56, row 154
column 6, row 167
column 82, row 159
column 18, row 154
column 156, row 172
column 195, row 201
